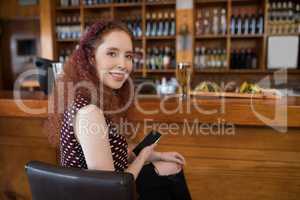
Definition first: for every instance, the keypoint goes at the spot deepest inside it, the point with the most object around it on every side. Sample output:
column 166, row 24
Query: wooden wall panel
column 47, row 25
column 254, row 163
column 21, row 140
column 12, row 10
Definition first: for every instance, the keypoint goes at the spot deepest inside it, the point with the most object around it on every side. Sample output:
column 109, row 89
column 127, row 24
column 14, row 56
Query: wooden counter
column 208, row 110
column 257, row 161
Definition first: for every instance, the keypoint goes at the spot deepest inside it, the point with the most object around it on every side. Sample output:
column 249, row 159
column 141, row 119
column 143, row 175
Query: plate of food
column 246, row 90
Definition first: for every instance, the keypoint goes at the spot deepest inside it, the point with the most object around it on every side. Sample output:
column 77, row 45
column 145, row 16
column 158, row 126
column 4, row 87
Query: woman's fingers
column 167, row 168
column 176, row 159
column 180, row 157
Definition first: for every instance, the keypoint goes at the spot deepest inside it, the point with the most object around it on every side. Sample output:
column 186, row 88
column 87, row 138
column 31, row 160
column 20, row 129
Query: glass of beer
column 183, row 76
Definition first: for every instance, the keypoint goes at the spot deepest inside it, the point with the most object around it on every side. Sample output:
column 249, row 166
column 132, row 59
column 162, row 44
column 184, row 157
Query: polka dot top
column 71, row 153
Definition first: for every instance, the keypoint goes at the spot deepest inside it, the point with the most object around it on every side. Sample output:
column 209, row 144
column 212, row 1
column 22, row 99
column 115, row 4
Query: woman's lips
column 117, row 76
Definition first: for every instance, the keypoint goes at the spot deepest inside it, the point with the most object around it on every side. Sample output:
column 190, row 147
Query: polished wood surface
column 21, row 140
column 47, row 25
column 231, row 110
column 254, row 163
column 247, row 162
column 12, row 10
column 218, row 166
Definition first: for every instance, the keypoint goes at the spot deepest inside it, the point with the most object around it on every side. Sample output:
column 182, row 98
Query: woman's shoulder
column 78, row 103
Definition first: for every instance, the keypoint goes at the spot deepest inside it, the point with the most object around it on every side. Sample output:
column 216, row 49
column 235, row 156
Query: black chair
column 45, row 79
column 49, row 182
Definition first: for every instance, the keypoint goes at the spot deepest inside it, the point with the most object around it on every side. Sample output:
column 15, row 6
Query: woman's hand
column 168, row 163
column 147, row 152
column 172, row 157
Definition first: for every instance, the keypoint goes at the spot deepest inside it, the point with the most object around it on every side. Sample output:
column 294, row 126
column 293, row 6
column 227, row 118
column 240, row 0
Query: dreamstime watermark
column 190, row 106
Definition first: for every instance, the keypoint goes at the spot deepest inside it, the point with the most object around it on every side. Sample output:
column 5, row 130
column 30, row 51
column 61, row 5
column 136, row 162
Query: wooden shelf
column 211, row 70
column 247, row 1
column 243, row 71
column 226, row 41
column 246, row 36
column 161, row 3
column 160, row 37
column 211, row 36
column 126, row 5
column 107, row 5
column 290, row 71
column 164, row 71
column 210, row 1
column 138, row 71
column 246, row 71
column 287, row 34
column 61, row 8
column 138, row 38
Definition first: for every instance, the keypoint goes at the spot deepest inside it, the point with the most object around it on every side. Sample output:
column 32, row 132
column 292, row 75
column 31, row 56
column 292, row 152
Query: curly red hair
column 80, row 68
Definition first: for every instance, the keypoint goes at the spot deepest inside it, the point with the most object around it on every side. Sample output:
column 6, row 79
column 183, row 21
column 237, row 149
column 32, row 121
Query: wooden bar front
column 256, row 162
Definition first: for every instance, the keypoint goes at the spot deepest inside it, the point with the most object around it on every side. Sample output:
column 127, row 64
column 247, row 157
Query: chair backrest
column 49, row 182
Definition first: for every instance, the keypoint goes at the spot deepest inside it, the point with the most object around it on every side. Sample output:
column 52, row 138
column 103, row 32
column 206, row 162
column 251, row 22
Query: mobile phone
column 151, row 138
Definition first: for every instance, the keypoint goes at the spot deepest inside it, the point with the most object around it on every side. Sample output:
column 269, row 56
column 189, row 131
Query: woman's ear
column 92, row 60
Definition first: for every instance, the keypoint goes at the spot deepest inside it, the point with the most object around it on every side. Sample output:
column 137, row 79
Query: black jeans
column 150, row 185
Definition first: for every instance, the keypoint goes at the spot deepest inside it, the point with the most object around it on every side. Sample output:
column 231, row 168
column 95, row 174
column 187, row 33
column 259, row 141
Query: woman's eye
column 113, row 54
column 129, row 57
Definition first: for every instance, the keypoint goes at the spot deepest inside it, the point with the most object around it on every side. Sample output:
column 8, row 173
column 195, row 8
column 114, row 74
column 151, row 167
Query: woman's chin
column 114, row 85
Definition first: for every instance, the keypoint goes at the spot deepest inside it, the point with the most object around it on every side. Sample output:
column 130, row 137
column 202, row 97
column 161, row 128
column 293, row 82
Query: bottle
column 298, row 18
column 223, row 22
column 208, row 58
column 238, row 29
column 232, row 23
column 218, row 58
column 245, row 25
column 166, row 58
column 215, row 22
column 253, row 24
column 224, row 58
column 248, row 59
column 153, row 59
column 154, row 25
column 291, row 18
column 160, row 57
column 198, row 23
column 62, row 56
column 157, row 58
column 197, row 57
column 202, row 58
column 139, row 26
column 254, row 60
column 206, row 24
column 160, row 25
column 173, row 25
column 173, row 56
column 148, row 57
column 214, row 58
column 166, row 24
column 260, row 23
column 148, row 25
column 129, row 25
column 233, row 59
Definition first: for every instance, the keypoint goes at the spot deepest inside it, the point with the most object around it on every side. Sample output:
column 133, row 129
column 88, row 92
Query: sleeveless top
column 71, row 153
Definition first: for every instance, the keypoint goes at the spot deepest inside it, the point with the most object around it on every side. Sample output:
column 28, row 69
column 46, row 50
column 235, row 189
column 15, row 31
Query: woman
column 96, row 79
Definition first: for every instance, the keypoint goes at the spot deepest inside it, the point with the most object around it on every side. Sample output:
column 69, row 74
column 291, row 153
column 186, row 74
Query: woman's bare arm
column 92, row 133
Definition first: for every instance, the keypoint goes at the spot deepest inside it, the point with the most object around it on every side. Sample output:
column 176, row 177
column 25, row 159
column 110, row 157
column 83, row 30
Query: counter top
column 257, row 112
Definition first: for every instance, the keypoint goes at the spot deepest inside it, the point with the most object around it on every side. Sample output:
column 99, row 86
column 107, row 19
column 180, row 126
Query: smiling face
column 114, row 58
